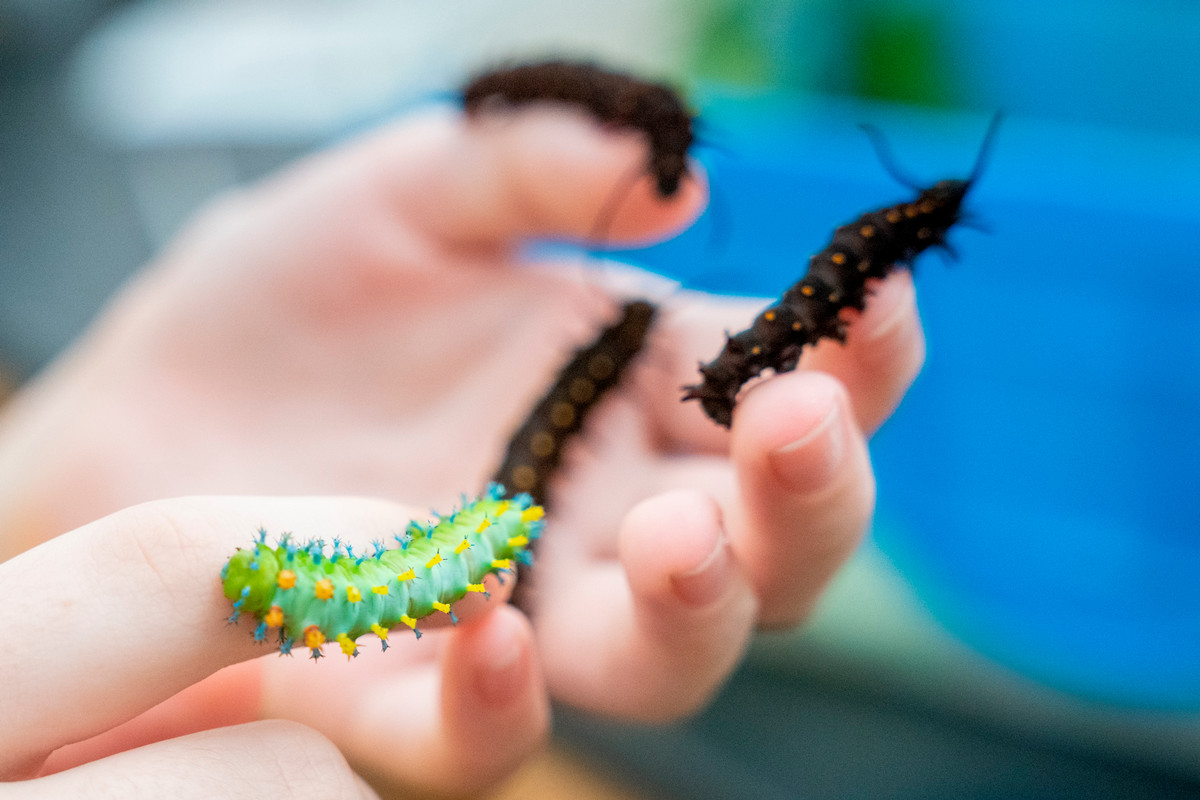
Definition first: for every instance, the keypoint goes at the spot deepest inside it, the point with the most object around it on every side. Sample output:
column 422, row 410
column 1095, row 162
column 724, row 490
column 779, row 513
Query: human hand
column 363, row 324
column 121, row 614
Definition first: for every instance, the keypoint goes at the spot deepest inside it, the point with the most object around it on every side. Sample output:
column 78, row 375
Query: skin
column 363, row 324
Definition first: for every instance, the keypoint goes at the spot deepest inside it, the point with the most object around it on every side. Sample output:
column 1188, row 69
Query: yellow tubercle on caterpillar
column 286, row 579
column 379, row 589
column 353, row 594
column 533, row 514
column 477, row 587
column 443, row 607
column 274, row 617
column 348, row 645
column 323, row 589
column 407, row 575
column 433, row 562
column 379, row 631
column 518, row 541
column 409, row 621
column 502, row 563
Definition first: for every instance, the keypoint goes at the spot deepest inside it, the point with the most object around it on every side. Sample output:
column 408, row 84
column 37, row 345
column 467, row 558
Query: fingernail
column 810, row 462
column 503, row 676
column 901, row 310
column 704, row 583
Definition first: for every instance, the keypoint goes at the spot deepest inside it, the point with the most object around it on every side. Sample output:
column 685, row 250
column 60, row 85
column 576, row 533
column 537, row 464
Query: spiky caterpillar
column 313, row 594
column 611, row 97
column 869, row 247
column 535, row 449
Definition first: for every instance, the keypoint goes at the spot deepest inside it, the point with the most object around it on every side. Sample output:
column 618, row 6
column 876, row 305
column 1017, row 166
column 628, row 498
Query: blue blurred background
column 1025, row 620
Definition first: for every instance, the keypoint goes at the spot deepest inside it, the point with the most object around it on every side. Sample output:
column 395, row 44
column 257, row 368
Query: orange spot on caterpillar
column 892, row 215
column 324, row 589
column 838, row 258
column 542, row 444
column 601, row 366
column 286, row 579
column 524, row 478
column 581, row 390
column 769, row 316
column 807, row 290
column 867, row 231
column 910, row 211
column 562, row 415
column 313, row 638
column 274, row 617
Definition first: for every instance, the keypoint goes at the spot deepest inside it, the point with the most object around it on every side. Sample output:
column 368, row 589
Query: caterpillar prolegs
column 314, row 593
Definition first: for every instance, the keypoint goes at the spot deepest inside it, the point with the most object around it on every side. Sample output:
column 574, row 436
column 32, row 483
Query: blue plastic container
column 1039, row 484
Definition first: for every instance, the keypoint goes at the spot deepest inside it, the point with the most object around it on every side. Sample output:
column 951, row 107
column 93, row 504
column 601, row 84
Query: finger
column 228, row 697
column 561, row 173
column 672, row 618
column 544, row 172
column 807, row 490
column 453, row 726
column 256, row 761
column 136, row 602
column 883, row 352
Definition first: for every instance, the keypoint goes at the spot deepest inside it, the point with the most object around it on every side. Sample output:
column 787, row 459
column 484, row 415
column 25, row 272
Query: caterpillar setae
column 613, row 98
column 314, row 594
column 535, row 449
column 869, row 247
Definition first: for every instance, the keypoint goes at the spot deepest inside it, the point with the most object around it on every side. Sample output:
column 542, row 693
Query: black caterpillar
column 535, row 449
column 869, row 247
column 613, row 98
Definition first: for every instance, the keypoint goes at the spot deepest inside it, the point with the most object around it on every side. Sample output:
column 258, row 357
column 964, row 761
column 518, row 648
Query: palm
column 360, row 350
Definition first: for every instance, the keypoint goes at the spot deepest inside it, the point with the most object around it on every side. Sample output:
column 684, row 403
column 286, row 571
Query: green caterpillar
column 314, row 594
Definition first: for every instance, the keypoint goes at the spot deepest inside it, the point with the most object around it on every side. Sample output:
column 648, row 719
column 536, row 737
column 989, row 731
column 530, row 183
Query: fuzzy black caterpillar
column 869, row 247
column 535, row 449
column 612, row 98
